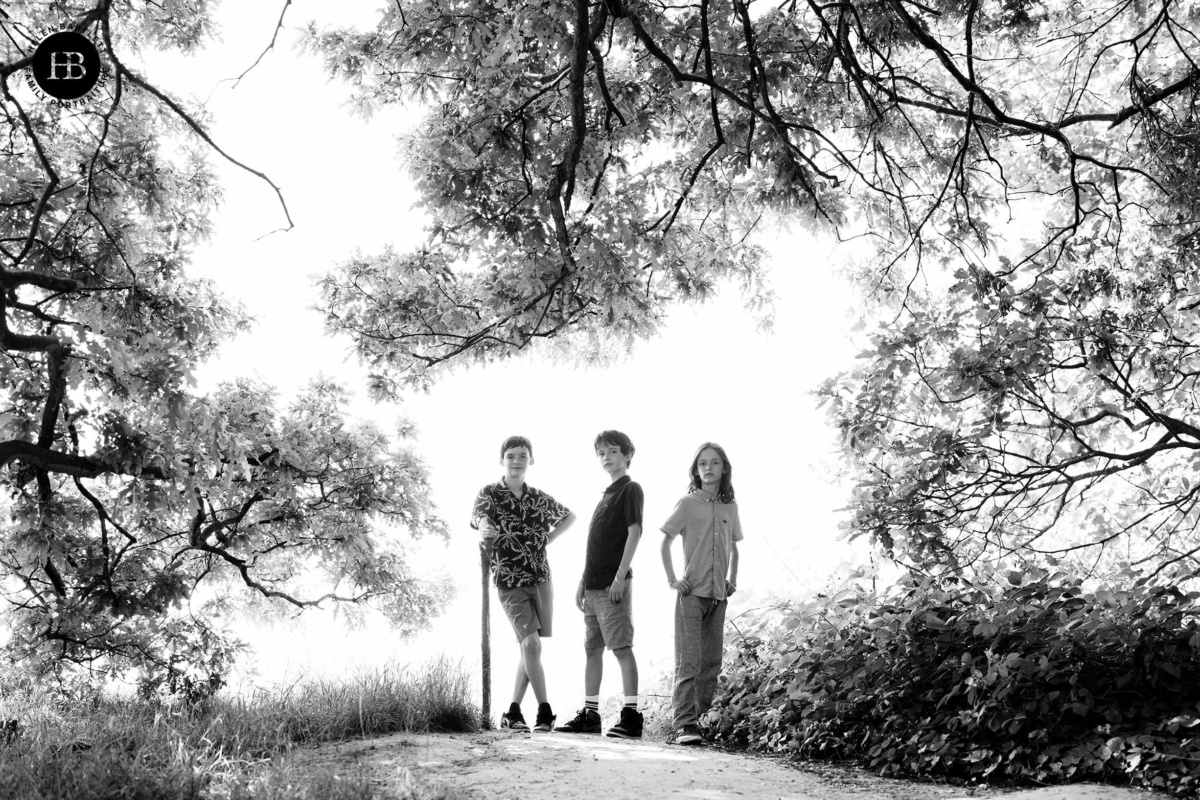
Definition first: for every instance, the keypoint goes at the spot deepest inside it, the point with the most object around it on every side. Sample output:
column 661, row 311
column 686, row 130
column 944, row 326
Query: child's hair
column 516, row 441
column 615, row 439
column 725, row 491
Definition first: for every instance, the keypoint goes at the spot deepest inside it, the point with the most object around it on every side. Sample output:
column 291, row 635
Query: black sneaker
column 513, row 720
column 586, row 721
column 630, row 726
column 545, row 719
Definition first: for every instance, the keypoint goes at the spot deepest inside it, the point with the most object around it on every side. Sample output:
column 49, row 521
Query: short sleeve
column 676, row 522
column 484, row 509
column 552, row 511
column 737, row 525
column 634, row 499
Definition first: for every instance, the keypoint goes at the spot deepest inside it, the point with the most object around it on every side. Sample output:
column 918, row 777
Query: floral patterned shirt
column 523, row 527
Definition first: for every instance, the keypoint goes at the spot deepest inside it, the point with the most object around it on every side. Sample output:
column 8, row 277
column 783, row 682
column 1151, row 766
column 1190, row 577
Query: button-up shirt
column 708, row 528
column 523, row 527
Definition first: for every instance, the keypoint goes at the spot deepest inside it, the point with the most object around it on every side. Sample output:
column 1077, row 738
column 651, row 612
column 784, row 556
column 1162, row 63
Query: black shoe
column 513, row 720
column 586, row 721
column 630, row 726
column 545, row 719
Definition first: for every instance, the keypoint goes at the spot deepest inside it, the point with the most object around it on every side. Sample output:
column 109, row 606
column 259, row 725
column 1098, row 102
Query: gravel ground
column 500, row 765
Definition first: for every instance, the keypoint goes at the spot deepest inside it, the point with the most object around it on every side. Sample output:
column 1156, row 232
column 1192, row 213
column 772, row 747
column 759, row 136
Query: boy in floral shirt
column 518, row 521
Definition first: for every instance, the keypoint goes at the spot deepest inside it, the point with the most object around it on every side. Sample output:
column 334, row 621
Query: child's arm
column 616, row 589
column 681, row 585
column 481, row 517
column 731, row 582
column 561, row 527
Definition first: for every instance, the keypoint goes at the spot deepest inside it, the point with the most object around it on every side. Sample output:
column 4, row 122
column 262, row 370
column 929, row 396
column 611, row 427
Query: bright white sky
column 711, row 376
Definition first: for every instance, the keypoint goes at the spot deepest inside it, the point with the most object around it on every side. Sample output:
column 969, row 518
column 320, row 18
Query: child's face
column 516, row 460
column 612, row 459
column 710, row 467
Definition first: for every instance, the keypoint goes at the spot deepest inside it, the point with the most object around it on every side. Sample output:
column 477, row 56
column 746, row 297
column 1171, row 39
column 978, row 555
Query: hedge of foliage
column 1026, row 677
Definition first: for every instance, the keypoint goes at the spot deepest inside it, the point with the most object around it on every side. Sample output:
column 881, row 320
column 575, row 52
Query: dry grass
column 115, row 748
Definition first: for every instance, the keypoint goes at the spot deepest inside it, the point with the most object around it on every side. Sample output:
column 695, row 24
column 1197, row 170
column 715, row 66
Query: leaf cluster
column 132, row 504
column 1047, row 411
column 586, row 164
column 1021, row 677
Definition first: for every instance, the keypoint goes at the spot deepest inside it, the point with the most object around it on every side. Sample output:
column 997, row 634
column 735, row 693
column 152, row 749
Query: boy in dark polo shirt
column 605, row 594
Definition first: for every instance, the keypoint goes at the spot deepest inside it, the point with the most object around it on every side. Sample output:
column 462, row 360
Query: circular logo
column 66, row 66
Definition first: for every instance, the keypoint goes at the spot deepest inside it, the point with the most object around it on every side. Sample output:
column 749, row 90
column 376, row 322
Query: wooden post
column 486, row 637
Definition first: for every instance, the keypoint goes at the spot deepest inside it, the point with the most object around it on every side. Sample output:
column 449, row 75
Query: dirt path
column 500, row 766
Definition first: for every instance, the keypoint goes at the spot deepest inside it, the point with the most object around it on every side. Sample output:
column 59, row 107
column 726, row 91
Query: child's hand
column 730, row 588
column 616, row 589
column 683, row 587
column 579, row 597
column 486, row 530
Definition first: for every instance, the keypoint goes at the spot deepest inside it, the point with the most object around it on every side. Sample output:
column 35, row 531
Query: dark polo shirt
column 620, row 507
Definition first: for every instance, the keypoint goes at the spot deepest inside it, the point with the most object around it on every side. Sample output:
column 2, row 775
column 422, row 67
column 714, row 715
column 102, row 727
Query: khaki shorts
column 607, row 624
column 530, row 609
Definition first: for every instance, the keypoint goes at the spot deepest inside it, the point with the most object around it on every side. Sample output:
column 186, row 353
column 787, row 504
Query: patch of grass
column 129, row 749
column 657, row 714
column 658, row 710
column 388, row 700
column 286, row 783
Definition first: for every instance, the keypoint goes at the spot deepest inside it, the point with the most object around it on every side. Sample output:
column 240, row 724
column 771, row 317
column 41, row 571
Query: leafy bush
column 1021, row 677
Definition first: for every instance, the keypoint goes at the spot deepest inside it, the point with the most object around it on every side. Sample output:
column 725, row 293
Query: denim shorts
column 607, row 624
column 530, row 609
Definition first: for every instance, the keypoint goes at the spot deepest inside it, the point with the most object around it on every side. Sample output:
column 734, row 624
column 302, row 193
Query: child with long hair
column 706, row 520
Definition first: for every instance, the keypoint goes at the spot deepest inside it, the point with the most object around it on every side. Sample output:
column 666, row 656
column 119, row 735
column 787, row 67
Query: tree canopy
column 1023, row 173
column 126, row 492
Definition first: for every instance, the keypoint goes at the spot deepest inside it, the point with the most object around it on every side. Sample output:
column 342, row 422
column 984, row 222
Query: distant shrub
column 1024, row 678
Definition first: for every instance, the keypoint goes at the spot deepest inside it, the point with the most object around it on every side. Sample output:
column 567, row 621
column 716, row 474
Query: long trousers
column 699, row 648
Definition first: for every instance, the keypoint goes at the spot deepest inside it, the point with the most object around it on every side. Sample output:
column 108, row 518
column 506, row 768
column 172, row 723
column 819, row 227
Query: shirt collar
column 617, row 484
column 503, row 484
column 703, row 495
